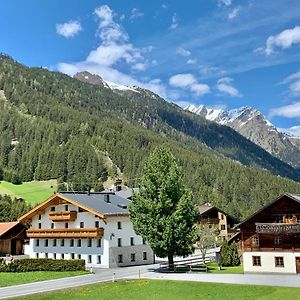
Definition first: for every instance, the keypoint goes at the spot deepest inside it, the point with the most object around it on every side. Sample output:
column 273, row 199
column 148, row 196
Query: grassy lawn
column 213, row 268
column 7, row 279
column 33, row 192
column 165, row 290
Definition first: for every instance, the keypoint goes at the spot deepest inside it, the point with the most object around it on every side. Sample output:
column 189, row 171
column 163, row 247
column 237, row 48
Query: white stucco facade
column 267, row 262
column 119, row 245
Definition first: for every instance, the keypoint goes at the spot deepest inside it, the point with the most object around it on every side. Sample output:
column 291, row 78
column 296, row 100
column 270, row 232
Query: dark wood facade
column 12, row 237
column 274, row 228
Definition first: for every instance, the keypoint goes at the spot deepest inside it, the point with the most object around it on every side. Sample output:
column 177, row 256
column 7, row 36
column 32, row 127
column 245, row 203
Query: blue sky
column 221, row 53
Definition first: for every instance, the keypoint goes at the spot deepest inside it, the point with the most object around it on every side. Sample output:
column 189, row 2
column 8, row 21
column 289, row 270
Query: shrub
column 229, row 254
column 43, row 264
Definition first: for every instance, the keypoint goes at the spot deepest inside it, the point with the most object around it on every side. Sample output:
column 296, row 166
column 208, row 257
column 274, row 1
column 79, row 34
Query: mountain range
column 84, row 131
column 253, row 125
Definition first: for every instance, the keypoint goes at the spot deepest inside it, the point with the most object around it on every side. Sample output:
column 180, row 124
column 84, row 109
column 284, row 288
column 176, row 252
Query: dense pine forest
column 54, row 126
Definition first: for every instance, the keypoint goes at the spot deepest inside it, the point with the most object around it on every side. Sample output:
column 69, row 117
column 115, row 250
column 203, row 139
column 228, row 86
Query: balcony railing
column 66, row 233
column 63, row 216
column 210, row 220
column 277, row 228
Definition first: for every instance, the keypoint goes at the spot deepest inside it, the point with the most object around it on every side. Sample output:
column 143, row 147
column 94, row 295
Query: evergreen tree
column 163, row 212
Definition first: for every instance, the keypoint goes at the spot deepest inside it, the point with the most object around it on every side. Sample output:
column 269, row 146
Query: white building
column 92, row 226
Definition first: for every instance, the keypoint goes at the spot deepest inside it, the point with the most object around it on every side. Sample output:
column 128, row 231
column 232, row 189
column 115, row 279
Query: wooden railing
column 277, row 228
column 63, row 216
column 66, row 233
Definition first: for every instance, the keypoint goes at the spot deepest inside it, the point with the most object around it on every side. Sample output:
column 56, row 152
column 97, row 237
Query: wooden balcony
column 277, row 228
column 209, row 221
column 63, row 216
column 66, row 233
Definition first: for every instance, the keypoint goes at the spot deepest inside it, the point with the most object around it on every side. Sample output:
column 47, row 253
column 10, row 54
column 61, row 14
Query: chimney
column 118, row 185
column 89, row 191
column 106, row 198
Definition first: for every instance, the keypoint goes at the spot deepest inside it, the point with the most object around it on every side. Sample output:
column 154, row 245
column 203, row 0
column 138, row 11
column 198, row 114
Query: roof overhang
column 55, row 200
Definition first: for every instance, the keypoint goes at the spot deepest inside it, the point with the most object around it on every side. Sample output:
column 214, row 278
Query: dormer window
column 52, row 208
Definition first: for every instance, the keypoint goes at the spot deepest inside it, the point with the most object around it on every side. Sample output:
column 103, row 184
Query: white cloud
column 122, row 17
column 188, row 81
column 164, row 6
column 113, row 49
column 191, row 61
column 174, row 23
column 294, row 83
column 135, row 13
column 224, row 85
column 139, row 67
column 234, row 13
column 291, row 77
column 288, row 111
column 183, row 52
column 69, row 29
column 284, row 40
column 294, row 130
column 224, row 2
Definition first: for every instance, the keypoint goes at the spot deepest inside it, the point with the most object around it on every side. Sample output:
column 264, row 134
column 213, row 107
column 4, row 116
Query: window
column 99, row 243
column 62, row 243
column 97, row 224
column 98, row 259
column 222, row 216
column 40, row 225
column 277, row 240
column 46, row 242
column 66, row 225
column 81, row 224
column 40, row 217
column 279, row 262
column 79, row 256
column 256, row 261
column 132, row 257
column 66, row 207
column 89, row 242
column 37, row 255
column 80, row 209
column 119, row 225
column 132, row 241
column 255, row 241
column 62, row 256
column 223, row 227
column 37, row 242
column 89, row 259
column 53, row 208
column 71, row 242
column 52, row 225
column 54, row 255
column 119, row 242
column 46, row 255
column 79, row 243
column 120, row 258
column 54, row 243
column 144, row 255
column 144, row 242
column 72, row 256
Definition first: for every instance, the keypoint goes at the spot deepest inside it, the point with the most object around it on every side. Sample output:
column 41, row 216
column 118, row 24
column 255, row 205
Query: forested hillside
column 54, row 126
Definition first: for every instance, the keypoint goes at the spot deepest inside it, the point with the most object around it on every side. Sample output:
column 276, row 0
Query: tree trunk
column 171, row 262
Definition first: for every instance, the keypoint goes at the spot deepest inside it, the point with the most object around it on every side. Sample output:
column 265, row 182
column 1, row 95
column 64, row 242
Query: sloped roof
column 295, row 197
column 205, row 208
column 6, row 226
column 97, row 201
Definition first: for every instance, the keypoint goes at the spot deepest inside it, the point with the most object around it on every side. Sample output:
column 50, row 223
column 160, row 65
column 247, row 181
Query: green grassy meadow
column 7, row 279
column 213, row 268
column 165, row 290
column 33, row 192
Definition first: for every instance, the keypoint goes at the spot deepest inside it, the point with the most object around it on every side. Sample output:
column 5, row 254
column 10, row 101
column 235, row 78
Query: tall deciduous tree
column 163, row 212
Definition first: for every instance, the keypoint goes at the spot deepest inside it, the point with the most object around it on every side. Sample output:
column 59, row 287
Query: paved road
column 100, row 275
column 250, row 279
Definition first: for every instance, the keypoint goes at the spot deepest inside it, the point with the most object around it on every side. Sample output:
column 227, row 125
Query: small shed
column 12, row 237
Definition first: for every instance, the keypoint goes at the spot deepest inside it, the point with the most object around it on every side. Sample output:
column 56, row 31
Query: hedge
column 43, row 264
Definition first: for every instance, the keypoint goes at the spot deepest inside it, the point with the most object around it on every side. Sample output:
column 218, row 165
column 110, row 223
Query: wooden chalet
column 12, row 236
column 270, row 238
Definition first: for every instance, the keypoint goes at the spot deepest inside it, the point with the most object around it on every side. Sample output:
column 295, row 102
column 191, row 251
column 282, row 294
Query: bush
column 229, row 255
column 43, row 264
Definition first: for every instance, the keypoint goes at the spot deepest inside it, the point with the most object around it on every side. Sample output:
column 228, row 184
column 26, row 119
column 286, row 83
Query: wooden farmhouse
column 12, row 236
column 270, row 238
column 92, row 226
column 218, row 219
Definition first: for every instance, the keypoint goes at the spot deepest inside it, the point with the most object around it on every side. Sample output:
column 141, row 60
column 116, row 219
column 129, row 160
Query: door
column 13, row 247
column 298, row 265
